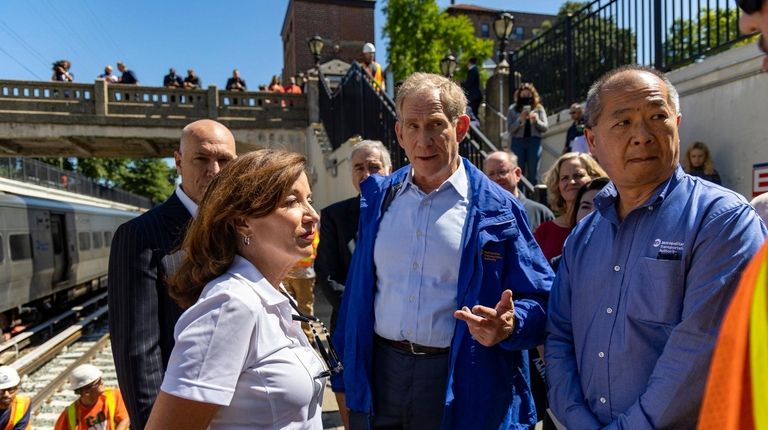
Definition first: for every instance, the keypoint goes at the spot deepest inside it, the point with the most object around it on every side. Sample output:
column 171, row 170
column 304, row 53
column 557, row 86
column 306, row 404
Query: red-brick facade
column 344, row 25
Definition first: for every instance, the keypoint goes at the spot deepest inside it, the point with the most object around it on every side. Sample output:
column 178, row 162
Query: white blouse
column 238, row 347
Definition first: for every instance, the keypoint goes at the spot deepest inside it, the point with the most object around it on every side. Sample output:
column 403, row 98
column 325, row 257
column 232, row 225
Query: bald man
column 141, row 314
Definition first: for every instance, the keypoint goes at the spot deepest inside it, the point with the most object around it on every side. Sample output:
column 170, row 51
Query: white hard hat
column 368, row 48
column 83, row 375
column 9, row 377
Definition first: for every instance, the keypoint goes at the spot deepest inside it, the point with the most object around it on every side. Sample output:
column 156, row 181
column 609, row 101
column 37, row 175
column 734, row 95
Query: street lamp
column 448, row 65
column 316, row 48
column 502, row 70
column 502, row 27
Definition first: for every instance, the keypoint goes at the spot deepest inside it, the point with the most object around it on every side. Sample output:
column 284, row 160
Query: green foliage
column 420, row 35
column 148, row 177
column 689, row 39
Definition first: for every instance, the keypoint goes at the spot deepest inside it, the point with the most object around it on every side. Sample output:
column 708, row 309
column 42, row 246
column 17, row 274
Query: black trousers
column 408, row 391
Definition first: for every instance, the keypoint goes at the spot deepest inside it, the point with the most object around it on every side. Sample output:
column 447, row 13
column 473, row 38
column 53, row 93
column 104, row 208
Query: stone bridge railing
column 115, row 104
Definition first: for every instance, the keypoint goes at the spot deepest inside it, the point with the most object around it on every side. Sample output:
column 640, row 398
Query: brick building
column 483, row 18
column 344, row 25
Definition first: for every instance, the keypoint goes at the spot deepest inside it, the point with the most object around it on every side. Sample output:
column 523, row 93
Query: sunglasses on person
column 750, row 6
column 325, row 348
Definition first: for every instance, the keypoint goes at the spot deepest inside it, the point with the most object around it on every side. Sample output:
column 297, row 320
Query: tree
column 420, row 35
column 148, row 177
column 598, row 44
column 711, row 32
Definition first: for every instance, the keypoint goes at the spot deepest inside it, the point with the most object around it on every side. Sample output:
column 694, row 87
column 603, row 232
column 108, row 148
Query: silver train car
column 51, row 252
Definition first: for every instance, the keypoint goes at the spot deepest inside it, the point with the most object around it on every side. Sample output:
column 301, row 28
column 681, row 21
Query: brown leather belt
column 413, row 348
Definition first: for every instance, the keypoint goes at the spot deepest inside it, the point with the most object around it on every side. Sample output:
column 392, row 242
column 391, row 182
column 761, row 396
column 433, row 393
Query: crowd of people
column 452, row 293
column 294, row 85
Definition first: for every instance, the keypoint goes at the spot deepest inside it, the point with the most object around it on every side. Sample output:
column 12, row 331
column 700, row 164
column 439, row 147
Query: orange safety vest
column 374, row 69
column 19, row 408
column 736, row 395
column 109, row 400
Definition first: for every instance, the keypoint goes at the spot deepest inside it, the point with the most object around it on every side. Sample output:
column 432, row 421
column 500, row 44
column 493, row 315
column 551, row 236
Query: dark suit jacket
column 472, row 86
column 338, row 228
column 141, row 314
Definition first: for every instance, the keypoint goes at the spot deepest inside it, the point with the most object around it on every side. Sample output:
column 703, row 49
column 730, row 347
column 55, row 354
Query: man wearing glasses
column 14, row 409
column 96, row 407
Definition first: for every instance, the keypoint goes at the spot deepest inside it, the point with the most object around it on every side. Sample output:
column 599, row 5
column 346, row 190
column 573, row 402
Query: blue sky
column 152, row 35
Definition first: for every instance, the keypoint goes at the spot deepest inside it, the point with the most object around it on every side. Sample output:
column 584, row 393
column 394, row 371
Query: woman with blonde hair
column 526, row 122
column 241, row 359
column 698, row 162
column 569, row 173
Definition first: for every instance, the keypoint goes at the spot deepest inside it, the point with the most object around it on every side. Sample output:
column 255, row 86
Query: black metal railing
column 356, row 108
column 665, row 34
column 39, row 173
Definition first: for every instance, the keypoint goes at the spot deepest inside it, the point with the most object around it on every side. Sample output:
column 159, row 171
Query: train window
column 107, row 238
column 96, row 239
column 85, row 241
column 21, row 246
column 2, row 249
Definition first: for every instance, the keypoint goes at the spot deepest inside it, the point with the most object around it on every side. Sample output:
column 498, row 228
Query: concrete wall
column 329, row 184
column 723, row 103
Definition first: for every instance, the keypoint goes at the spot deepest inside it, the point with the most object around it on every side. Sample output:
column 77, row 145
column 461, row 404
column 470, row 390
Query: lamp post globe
column 316, row 48
column 502, row 28
column 448, row 65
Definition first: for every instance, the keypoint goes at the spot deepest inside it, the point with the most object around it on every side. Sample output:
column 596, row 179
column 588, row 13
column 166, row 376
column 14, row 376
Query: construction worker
column 97, row 408
column 14, row 409
column 371, row 67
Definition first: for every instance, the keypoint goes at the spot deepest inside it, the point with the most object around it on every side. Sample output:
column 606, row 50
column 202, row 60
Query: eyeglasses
column 10, row 390
column 750, row 6
column 326, row 349
column 502, row 172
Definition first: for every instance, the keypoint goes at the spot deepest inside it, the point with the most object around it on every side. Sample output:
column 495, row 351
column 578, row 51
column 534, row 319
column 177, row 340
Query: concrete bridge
column 56, row 119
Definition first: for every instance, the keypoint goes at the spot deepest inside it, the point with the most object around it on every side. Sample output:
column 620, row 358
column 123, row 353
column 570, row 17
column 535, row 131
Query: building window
column 21, row 246
column 518, row 33
column 485, row 30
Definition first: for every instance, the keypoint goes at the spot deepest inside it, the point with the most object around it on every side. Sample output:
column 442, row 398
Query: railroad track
column 45, row 369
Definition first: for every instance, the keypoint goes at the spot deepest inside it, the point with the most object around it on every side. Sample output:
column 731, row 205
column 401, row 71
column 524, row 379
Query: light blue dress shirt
column 636, row 305
column 417, row 255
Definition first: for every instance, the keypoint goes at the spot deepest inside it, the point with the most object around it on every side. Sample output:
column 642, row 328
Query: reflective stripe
column 19, row 409
column 72, row 415
column 109, row 399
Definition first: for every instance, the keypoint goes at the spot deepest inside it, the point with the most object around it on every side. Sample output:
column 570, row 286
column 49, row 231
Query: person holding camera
column 526, row 122
column 61, row 71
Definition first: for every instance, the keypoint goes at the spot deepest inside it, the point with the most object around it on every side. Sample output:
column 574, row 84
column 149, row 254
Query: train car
column 51, row 251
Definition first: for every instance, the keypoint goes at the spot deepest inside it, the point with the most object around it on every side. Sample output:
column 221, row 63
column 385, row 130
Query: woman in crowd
column 274, row 85
column 570, row 172
column 584, row 199
column 240, row 361
column 61, row 71
column 526, row 122
column 698, row 162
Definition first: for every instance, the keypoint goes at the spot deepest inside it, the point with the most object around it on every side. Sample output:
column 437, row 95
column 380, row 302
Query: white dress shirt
column 239, row 348
column 186, row 201
column 417, row 255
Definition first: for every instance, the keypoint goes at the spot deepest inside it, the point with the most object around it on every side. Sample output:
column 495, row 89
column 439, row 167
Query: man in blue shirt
column 645, row 279
column 439, row 241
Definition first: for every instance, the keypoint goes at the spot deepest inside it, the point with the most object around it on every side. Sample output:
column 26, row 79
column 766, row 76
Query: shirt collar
column 458, row 180
column 186, row 201
column 244, row 269
column 606, row 199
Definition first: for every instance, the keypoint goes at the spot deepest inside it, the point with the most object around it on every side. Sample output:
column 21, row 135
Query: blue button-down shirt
column 417, row 266
column 636, row 305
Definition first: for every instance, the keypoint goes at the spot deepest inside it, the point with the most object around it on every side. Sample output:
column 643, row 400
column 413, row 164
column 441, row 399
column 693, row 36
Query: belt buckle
column 413, row 351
